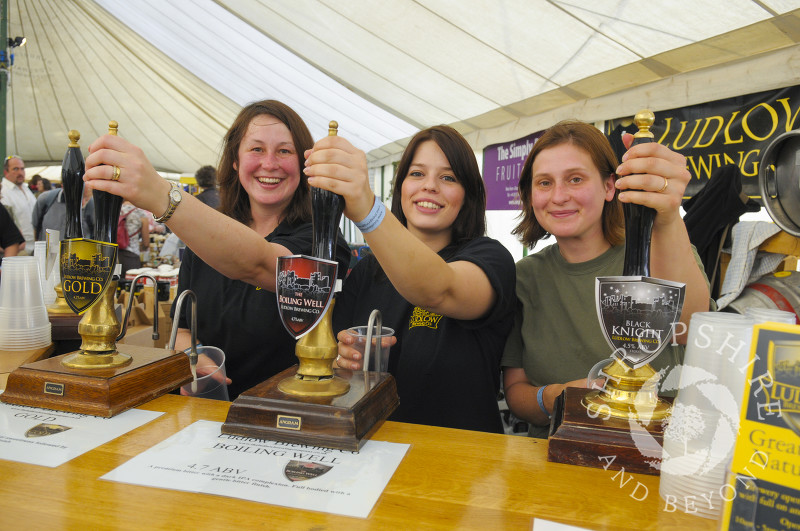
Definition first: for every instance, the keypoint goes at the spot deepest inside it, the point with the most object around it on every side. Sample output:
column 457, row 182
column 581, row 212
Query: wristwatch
column 174, row 200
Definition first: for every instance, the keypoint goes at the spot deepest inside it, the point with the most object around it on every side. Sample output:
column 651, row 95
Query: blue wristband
column 540, row 399
column 373, row 219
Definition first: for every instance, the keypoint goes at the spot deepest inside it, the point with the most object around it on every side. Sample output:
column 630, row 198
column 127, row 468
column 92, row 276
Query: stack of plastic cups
column 701, row 435
column 768, row 315
column 24, row 324
column 48, row 283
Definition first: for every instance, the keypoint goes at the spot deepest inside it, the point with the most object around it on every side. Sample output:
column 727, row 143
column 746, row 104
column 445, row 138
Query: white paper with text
column 200, row 458
column 50, row 438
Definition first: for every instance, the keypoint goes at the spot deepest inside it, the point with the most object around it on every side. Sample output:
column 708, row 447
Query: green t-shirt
column 556, row 335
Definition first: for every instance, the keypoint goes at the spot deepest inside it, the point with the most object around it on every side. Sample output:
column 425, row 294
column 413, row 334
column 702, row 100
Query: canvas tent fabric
column 174, row 74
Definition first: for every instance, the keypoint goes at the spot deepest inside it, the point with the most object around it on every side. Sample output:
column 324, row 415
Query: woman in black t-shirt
column 445, row 288
column 227, row 263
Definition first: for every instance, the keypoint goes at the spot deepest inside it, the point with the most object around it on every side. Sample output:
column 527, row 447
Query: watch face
column 175, row 195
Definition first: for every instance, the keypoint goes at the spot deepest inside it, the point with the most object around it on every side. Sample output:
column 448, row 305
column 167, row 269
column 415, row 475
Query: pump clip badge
column 304, row 289
column 637, row 315
column 86, row 269
column 784, row 367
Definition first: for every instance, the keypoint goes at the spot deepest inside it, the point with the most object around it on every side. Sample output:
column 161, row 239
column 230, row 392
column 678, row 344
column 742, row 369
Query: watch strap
column 171, row 207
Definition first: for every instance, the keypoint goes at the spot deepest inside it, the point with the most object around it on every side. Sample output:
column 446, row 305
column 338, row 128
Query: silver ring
column 664, row 188
column 116, row 173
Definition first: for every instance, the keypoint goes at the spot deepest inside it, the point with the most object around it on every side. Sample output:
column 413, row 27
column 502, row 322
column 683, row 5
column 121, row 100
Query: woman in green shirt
column 572, row 187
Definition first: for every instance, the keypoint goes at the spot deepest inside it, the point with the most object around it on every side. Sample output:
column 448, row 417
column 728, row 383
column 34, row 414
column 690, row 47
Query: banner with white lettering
column 502, row 164
column 200, row 458
column 729, row 131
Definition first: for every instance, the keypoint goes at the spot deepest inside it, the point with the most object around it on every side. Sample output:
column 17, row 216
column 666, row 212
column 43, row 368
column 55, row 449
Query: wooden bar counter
column 449, row 479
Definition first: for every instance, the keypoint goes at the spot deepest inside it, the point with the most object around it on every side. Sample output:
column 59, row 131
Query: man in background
column 206, row 178
column 50, row 212
column 19, row 200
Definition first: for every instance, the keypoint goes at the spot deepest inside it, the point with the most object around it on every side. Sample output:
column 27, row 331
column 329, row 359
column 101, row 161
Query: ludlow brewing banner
column 730, row 131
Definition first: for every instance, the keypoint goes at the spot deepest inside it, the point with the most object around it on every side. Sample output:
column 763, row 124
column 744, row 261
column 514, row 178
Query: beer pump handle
column 326, row 213
column 106, row 207
column 638, row 218
column 72, row 170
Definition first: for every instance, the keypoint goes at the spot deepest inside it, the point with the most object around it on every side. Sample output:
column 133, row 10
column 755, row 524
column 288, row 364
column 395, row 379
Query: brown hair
column 206, row 176
column 470, row 222
column 234, row 200
column 595, row 143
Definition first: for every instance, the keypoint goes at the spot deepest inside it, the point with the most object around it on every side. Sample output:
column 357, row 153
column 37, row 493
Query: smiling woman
column 572, row 187
column 264, row 212
column 444, row 287
column 261, row 186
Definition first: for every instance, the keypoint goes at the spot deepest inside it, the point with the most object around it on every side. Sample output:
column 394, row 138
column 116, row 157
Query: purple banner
column 502, row 164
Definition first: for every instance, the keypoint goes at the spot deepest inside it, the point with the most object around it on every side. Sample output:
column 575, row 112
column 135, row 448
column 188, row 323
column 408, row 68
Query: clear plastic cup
column 23, row 318
column 48, row 282
column 770, row 315
column 32, row 339
column 20, row 284
column 699, row 442
column 360, row 333
column 212, row 385
column 22, row 333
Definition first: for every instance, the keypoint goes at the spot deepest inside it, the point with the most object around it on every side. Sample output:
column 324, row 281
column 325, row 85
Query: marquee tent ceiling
column 174, row 74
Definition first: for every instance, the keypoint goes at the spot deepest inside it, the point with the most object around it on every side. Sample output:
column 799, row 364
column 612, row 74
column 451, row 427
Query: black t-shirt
column 9, row 233
column 447, row 370
column 243, row 320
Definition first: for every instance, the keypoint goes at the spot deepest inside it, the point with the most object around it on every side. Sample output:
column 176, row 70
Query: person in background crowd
column 50, row 212
column 137, row 228
column 444, row 287
column 44, row 185
column 265, row 212
column 572, row 187
column 10, row 236
column 19, row 199
column 33, row 184
column 207, row 182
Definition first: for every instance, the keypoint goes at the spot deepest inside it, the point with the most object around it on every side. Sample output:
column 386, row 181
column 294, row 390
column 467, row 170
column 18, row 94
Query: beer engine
column 62, row 317
column 102, row 378
column 637, row 314
column 312, row 403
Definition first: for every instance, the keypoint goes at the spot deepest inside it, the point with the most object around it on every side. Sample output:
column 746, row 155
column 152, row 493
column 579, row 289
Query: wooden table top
column 449, row 479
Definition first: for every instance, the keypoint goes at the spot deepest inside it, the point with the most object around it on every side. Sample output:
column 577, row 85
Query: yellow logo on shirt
column 422, row 317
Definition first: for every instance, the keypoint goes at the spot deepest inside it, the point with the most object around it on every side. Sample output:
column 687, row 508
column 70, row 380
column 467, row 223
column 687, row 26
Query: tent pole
column 4, row 75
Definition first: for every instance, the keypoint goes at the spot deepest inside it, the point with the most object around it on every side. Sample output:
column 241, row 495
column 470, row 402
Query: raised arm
column 655, row 176
column 457, row 289
column 231, row 248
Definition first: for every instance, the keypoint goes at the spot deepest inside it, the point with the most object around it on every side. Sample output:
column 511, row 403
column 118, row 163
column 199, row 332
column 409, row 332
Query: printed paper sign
column 200, row 458
column 50, row 438
column 763, row 491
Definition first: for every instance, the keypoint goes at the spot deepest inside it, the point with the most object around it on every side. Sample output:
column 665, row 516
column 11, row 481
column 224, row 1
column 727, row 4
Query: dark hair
column 234, row 200
column 47, row 184
column 471, row 220
column 206, row 176
column 34, row 180
column 595, row 143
